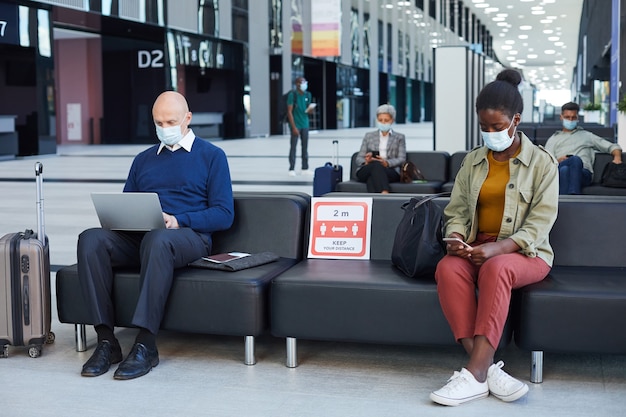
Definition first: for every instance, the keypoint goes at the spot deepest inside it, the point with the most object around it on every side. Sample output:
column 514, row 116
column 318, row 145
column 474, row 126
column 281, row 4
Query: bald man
column 192, row 179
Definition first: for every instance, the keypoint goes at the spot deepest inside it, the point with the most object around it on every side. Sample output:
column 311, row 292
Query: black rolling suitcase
column 25, row 311
column 327, row 177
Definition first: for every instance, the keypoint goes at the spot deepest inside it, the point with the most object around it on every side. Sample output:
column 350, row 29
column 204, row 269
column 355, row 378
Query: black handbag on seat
column 614, row 175
column 418, row 244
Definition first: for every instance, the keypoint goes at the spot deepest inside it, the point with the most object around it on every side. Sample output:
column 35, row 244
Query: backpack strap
column 294, row 98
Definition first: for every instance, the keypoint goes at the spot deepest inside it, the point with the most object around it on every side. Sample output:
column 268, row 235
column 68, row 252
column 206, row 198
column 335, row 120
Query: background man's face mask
column 570, row 124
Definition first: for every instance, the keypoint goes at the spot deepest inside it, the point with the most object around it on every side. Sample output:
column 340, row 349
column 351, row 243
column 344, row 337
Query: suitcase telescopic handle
column 336, row 154
column 41, row 228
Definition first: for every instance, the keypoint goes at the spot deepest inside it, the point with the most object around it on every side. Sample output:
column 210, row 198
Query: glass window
column 400, row 52
column 389, row 46
column 366, row 41
column 208, row 17
column 44, row 33
column 276, row 29
column 452, row 16
column 154, row 12
column 432, row 8
column 354, row 36
column 380, row 46
column 107, row 7
column 24, row 26
column 240, row 25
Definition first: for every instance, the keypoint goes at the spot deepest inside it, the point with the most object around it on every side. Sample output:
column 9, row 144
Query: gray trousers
column 304, row 136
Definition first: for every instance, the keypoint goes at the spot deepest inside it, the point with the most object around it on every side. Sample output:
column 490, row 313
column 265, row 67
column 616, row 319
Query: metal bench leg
column 536, row 366
column 292, row 354
column 80, row 334
column 249, row 350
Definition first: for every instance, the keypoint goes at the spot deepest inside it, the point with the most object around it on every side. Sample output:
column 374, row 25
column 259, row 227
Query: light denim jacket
column 531, row 199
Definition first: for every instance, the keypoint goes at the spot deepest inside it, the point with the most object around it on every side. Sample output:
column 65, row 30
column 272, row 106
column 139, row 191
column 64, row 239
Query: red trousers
column 472, row 313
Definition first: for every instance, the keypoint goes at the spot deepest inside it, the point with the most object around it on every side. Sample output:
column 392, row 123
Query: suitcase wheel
column 34, row 351
column 50, row 338
column 5, row 351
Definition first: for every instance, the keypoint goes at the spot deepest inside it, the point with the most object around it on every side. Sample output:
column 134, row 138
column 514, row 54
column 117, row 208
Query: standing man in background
column 298, row 109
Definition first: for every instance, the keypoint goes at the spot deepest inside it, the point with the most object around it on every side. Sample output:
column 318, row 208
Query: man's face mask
column 570, row 124
column 169, row 136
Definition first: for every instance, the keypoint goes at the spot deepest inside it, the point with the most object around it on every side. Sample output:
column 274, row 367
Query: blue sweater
column 193, row 186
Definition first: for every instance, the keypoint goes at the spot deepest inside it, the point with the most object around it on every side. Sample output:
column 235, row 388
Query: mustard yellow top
column 490, row 208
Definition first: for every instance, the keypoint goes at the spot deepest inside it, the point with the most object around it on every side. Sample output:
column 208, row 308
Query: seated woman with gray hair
column 382, row 153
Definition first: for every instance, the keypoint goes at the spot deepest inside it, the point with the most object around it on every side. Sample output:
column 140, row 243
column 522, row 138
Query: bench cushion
column 574, row 310
column 200, row 301
column 357, row 301
column 581, row 305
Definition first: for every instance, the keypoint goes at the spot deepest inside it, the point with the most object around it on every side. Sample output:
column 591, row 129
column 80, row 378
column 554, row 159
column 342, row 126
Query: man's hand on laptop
column 170, row 221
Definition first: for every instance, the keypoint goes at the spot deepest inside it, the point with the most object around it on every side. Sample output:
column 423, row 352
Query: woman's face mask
column 383, row 127
column 498, row 141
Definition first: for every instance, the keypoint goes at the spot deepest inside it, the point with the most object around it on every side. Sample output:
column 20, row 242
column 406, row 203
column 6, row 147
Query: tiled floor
column 205, row 375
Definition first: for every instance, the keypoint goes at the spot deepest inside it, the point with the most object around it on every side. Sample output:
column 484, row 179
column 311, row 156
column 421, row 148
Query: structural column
column 258, row 53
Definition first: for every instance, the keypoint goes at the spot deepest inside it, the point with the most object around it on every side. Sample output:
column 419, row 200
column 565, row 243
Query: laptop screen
column 128, row 211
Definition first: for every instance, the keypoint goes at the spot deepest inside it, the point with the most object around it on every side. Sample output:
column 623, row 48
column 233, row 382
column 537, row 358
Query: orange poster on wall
column 326, row 28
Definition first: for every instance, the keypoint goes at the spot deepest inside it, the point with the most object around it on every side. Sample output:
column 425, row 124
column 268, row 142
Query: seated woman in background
column 382, row 153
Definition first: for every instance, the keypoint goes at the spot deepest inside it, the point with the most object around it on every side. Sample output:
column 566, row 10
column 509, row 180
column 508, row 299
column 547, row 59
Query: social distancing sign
column 340, row 228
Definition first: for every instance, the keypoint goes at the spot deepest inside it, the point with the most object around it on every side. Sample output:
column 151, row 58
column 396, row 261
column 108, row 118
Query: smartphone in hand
column 375, row 154
column 453, row 240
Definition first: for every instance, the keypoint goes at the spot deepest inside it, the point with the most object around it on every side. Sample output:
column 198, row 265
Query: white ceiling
column 540, row 37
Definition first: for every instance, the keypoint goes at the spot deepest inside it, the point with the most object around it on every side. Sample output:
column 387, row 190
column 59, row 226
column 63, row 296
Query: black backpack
column 418, row 244
column 282, row 107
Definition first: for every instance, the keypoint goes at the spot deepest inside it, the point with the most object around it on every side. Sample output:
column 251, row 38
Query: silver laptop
column 129, row 211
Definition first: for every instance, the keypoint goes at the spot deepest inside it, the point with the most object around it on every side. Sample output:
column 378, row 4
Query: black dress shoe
column 105, row 354
column 139, row 362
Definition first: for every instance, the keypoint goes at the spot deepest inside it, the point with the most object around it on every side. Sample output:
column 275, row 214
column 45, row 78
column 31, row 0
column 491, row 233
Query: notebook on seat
column 128, row 211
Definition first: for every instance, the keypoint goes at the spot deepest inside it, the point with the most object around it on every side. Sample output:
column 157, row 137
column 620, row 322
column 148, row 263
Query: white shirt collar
column 186, row 142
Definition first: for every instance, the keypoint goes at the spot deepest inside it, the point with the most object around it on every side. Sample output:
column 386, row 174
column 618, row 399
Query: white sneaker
column 461, row 388
column 503, row 385
column 292, row 173
column 307, row 172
